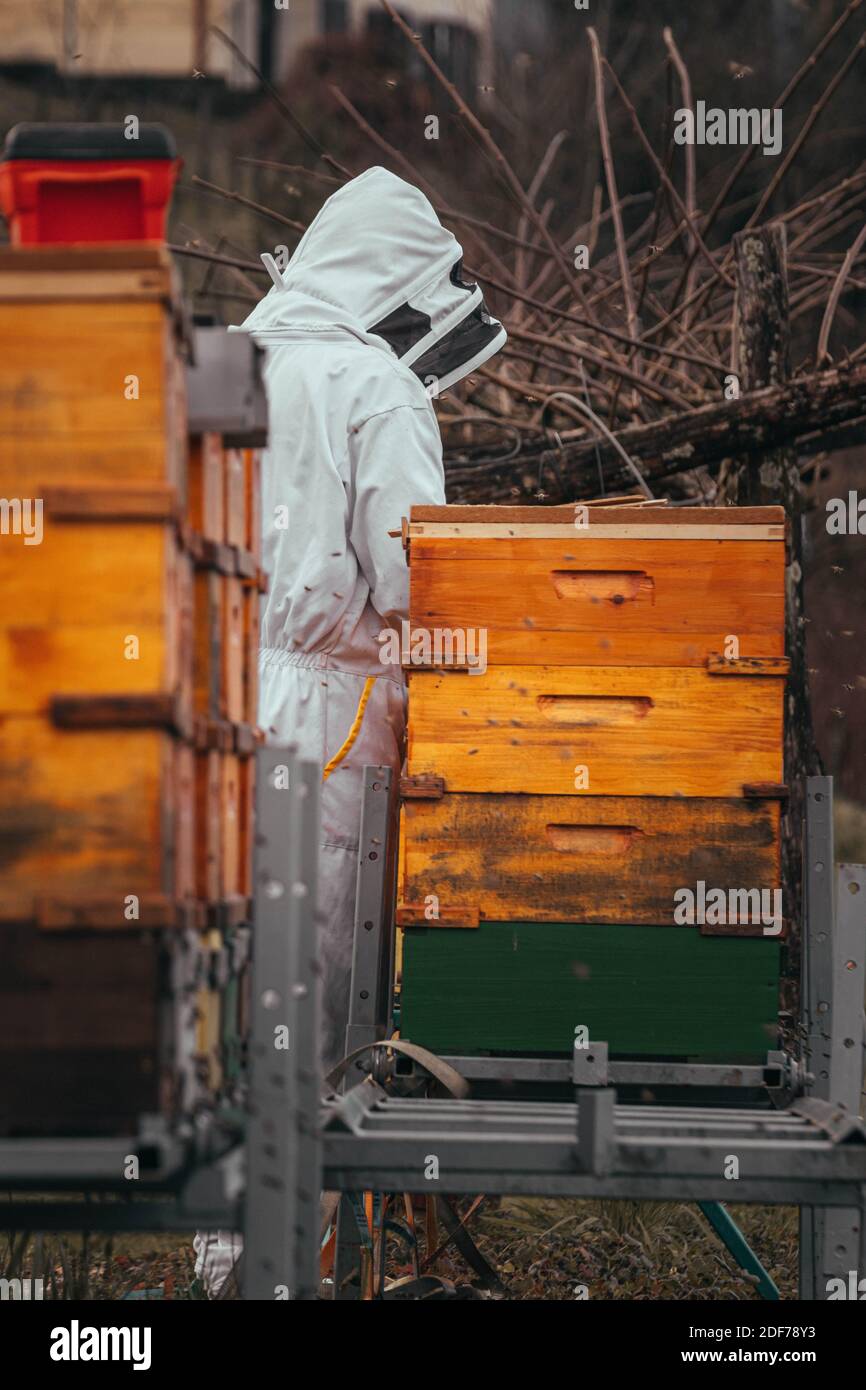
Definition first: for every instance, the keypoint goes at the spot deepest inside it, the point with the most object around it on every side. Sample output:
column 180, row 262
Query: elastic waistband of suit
column 278, row 658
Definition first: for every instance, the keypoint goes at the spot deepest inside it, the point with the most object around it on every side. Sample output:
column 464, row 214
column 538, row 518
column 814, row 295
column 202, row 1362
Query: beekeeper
column 372, row 318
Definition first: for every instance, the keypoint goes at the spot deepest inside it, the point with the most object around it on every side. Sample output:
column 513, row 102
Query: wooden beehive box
column 96, row 636
column 224, row 521
column 80, row 1037
column 224, row 526
column 123, row 642
column 128, row 645
column 599, row 726
column 602, row 586
column 92, row 360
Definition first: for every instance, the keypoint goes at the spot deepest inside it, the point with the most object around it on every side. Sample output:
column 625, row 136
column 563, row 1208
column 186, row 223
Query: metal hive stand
column 592, row 1148
column 811, row 1154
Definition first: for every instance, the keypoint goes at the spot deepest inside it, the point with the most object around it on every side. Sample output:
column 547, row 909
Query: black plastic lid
column 73, row 140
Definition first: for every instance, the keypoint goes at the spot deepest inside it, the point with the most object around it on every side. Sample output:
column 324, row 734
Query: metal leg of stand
column 369, row 999
column 819, row 931
column 347, row 1254
column 372, row 972
column 834, row 964
column 735, row 1242
column 816, row 990
column 839, row 1252
column 281, row 1231
column 849, row 1045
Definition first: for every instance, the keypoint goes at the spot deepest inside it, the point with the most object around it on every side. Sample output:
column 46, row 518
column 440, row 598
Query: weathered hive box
column 92, row 357
column 127, row 706
column 602, row 586
column 96, row 648
column 224, row 535
column 595, row 726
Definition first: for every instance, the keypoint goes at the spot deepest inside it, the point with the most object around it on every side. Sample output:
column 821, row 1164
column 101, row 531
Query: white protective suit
column 374, row 318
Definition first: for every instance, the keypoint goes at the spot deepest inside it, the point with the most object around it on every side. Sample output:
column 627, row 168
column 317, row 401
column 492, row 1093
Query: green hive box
column 647, row 991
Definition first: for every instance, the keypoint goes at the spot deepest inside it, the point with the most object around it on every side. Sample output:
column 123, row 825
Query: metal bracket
column 349, row 1111
column 590, row 1064
column 835, row 1121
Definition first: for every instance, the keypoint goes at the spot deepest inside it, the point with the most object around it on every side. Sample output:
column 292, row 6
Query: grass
column 631, row 1250
column 100, row 1267
column 542, row 1249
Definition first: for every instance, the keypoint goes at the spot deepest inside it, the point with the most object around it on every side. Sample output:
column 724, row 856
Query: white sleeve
column 396, row 464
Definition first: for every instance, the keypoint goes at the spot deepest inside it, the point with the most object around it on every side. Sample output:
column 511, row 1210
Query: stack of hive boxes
column 225, row 536
column 224, row 492
column 127, row 703
column 618, row 744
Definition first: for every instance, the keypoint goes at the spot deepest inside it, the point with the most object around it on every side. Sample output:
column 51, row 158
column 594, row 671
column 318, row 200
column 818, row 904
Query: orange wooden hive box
column 127, row 702
column 595, row 722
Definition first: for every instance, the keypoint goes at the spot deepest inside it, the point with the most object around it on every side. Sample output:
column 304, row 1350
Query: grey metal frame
column 373, row 946
column 779, row 1072
column 832, row 998
column 372, row 973
column 813, row 1153
column 281, row 1223
column 590, row 1148
column 225, row 391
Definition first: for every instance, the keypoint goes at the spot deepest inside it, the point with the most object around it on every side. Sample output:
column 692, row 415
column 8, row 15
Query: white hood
column 376, row 262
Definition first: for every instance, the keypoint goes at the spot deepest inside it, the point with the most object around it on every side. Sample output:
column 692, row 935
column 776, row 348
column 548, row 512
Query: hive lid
column 71, row 140
column 621, row 520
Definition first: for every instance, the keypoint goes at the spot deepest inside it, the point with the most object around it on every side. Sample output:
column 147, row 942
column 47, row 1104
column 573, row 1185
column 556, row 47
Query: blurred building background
column 172, row 38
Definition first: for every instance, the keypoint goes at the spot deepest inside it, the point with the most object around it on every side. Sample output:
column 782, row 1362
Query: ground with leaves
column 542, row 1249
column 630, row 1250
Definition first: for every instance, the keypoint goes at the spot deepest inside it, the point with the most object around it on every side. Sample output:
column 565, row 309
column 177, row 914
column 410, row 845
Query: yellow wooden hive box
column 601, row 720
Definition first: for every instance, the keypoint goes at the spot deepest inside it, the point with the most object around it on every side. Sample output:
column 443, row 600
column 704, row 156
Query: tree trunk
column 763, row 337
